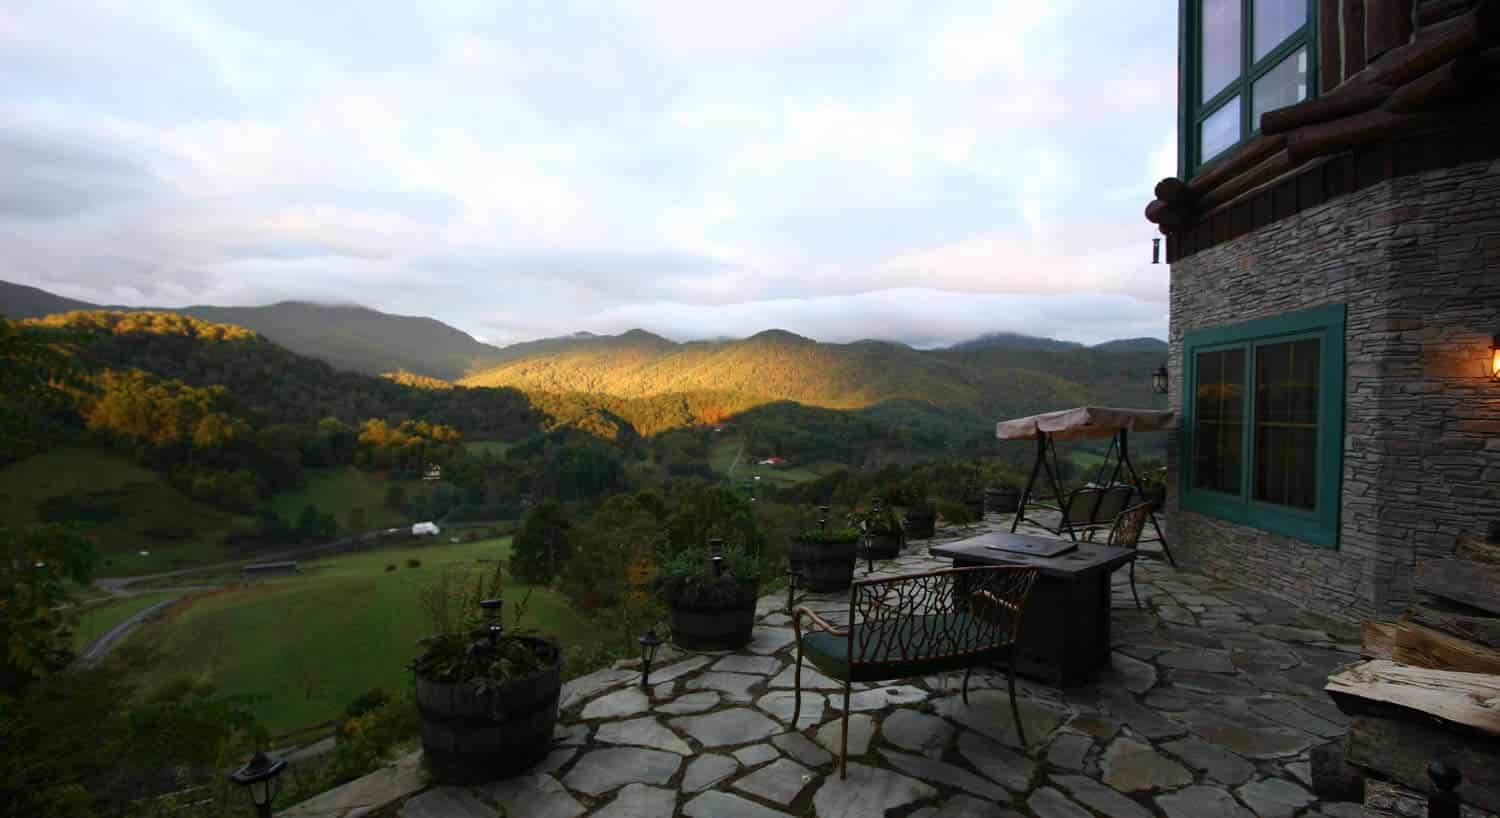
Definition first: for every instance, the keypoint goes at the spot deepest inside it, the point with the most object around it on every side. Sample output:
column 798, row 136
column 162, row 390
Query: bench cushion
column 882, row 657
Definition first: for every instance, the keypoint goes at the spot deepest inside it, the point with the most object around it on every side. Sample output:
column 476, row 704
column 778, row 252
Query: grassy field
column 152, row 516
column 306, row 646
column 494, row 447
column 96, row 620
column 340, row 490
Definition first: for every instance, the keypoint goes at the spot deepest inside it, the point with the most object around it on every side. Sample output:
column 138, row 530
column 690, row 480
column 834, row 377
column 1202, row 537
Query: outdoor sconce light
column 717, row 545
column 493, row 625
column 1495, row 359
column 1159, row 380
column 650, row 642
column 1156, row 251
column 259, row 777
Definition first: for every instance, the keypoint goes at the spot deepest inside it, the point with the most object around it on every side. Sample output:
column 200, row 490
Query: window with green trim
column 1263, row 423
column 1241, row 58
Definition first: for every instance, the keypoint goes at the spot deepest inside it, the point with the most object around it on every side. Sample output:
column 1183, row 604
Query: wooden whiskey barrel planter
column 824, row 566
column 1002, row 501
column 921, row 525
column 883, row 545
column 470, row 737
column 723, row 627
column 976, row 507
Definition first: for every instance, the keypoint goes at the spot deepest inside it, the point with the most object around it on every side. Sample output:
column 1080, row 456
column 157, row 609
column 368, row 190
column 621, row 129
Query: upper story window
column 1242, row 58
column 1263, row 422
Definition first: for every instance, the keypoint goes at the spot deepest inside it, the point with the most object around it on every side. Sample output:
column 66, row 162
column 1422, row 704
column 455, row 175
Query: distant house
column 433, row 472
column 426, row 529
column 772, row 461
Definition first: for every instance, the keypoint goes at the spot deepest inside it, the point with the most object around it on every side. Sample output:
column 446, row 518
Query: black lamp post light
column 650, row 643
column 258, row 777
column 494, row 626
column 1159, row 380
column 716, row 545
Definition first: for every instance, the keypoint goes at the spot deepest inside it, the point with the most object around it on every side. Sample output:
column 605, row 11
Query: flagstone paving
column 1211, row 705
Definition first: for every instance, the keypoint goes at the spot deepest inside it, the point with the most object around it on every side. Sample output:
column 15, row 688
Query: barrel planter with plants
column 883, row 528
column 824, row 558
column 975, row 503
column 921, row 521
column 1002, row 498
column 487, row 702
column 710, row 598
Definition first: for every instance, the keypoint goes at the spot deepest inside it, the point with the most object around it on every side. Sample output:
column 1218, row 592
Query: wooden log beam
column 1437, row 45
column 1354, row 37
column 1170, row 217
column 1340, row 135
column 1436, row 11
column 1172, row 190
column 1351, row 98
column 1382, row 687
column 1273, row 167
column 1377, row 640
column 1448, row 81
column 1472, row 583
column 1420, row 646
column 1387, row 26
column 1330, row 58
column 1252, row 154
column 1401, row 750
column 1483, row 630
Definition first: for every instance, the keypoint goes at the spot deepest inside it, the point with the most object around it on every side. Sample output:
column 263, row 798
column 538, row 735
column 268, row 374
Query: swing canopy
column 1085, row 422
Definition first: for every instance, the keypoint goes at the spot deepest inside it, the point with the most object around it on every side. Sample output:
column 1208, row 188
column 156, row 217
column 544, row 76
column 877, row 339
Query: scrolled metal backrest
column 1083, row 504
column 1112, row 503
column 882, row 612
column 1126, row 531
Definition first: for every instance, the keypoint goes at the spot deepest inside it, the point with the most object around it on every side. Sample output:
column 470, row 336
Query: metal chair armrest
column 820, row 622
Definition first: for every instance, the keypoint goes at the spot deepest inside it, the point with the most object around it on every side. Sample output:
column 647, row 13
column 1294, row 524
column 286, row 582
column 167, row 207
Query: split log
column 1343, row 134
column 1449, row 80
column 1482, row 630
column 1437, row 45
column 1377, row 640
column 1436, row 11
column 1354, row 37
column 1387, row 26
column 1382, row 688
column 1401, row 750
column 1252, row 154
column 1330, row 59
column 1472, row 583
column 1350, row 98
column 1420, row 646
column 1473, row 547
column 1172, row 190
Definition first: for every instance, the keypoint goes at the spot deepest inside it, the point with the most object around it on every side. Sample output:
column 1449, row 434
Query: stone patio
column 1210, row 708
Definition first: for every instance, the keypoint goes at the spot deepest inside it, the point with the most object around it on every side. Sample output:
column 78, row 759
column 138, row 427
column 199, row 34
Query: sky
column 921, row 172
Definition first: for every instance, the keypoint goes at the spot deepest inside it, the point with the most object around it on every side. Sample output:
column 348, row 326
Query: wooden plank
column 1421, row 646
column 1473, row 547
column 1473, row 583
column 1381, row 686
column 1253, row 153
column 1275, row 166
column 1387, row 26
column 1353, row 98
column 1330, row 59
column 1401, row 750
column 1437, row 45
column 1483, row 630
column 1436, row 11
column 1377, row 640
column 1371, row 126
column 1447, row 81
column 1354, row 37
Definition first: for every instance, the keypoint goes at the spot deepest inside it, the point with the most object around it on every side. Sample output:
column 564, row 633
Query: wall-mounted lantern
column 1495, row 359
column 1159, row 380
column 1156, row 251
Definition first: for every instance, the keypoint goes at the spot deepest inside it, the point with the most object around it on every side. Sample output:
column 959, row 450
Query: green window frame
column 1193, row 110
column 1320, row 524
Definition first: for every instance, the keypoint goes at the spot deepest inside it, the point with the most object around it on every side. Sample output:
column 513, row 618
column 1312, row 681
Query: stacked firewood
column 1429, row 689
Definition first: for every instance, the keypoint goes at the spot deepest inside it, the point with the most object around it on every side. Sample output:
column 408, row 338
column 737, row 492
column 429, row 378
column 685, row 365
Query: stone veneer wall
column 1416, row 260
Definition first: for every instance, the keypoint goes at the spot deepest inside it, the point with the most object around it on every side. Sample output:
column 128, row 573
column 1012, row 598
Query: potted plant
column 921, row 518
column 974, row 494
column 1154, row 487
column 883, row 528
column 1002, row 497
column 710, row 595
column 486, row 698
column 824, row 557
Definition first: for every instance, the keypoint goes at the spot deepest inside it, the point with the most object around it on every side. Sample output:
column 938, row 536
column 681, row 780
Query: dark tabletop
column 1087, row 558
